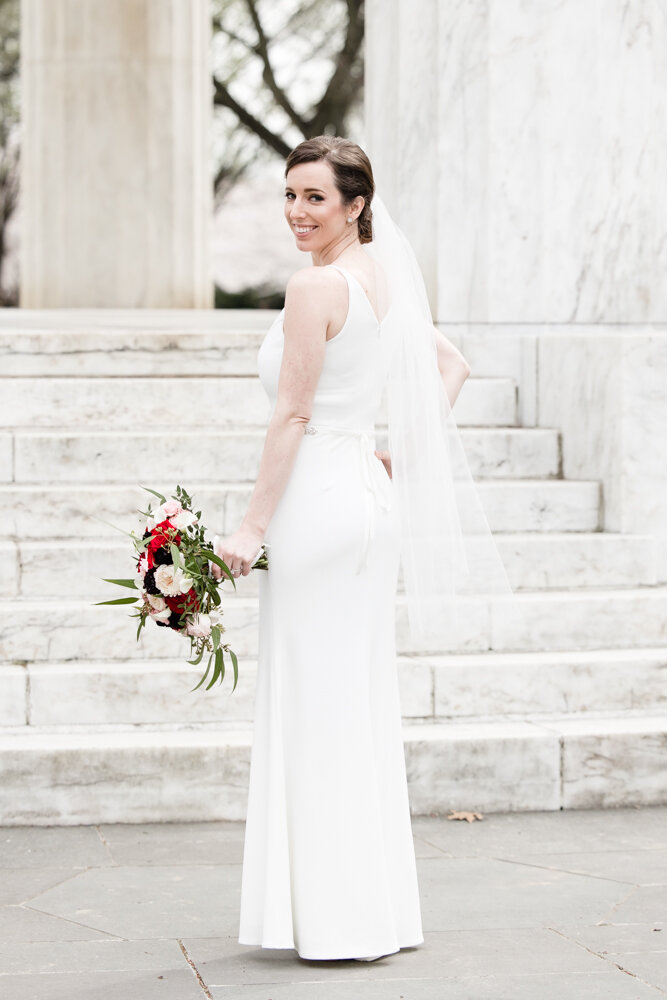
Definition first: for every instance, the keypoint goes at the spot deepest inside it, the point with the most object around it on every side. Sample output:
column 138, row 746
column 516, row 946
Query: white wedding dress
column 329, row 864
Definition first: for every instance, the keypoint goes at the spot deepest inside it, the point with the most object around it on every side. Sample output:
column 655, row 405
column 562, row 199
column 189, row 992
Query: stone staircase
column 554, row 699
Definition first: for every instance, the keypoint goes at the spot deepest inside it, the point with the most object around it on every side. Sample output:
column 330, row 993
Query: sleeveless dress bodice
column 349, row 389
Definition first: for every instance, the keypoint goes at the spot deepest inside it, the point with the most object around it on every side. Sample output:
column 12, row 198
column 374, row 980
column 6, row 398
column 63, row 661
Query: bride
column 329, row 866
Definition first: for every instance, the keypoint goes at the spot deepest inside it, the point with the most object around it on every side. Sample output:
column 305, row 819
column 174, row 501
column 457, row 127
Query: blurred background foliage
column 9, row 140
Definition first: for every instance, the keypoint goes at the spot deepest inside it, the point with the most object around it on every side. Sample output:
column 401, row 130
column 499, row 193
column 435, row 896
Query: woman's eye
column 317, row 197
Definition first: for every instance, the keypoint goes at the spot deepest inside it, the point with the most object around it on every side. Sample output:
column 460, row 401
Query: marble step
column 57, row 510
column 533, row 561
column 80, row 456
column 131, row 342
column 231, row 402
column 125, row 774
column 492, row 685
column 50, row 630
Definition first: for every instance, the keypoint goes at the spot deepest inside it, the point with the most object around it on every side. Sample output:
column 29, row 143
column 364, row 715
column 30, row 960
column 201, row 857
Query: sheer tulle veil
column 448, row 553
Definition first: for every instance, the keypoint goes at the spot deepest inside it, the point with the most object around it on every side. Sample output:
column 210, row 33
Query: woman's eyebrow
column 308, row 190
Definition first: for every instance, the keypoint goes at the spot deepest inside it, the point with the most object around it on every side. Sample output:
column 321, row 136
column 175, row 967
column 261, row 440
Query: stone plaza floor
column 520, row 906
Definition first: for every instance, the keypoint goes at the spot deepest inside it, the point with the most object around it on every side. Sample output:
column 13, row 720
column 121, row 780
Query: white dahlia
column 172, row 581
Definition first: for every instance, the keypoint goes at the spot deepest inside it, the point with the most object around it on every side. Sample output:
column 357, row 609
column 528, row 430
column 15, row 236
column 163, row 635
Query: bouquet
column 174, row 584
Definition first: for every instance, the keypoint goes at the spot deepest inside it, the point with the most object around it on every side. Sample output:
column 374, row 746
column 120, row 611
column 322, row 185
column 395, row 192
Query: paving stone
column 159, row 984
column 19, row 885
column 643, row 904
column 611, row 938
column 632, row 867
column 108, row 955
column 447, row 954
column 20, row 923
column 40, row 847
column 613, row 984
column 150, row 902
column 513, row 894
column 175, row 844
column 562, row 831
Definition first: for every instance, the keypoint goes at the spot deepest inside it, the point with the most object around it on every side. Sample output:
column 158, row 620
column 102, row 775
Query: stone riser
column 533, row 561
column 506, row 685
column 187, row 343
column 141, row 776
column 198, row 342
column 60, row 511
column 555, row 620
column 231, row 456
column 232, row 402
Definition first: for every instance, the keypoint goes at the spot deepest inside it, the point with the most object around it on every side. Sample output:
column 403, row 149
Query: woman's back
column 350, row 386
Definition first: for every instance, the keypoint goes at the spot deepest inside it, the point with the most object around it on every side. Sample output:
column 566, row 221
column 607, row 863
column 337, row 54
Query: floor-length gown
column 329, row 864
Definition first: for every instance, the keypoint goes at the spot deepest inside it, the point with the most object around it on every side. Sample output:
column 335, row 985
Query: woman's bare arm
column 453, row 367
column 454, row 370
column 308, row 302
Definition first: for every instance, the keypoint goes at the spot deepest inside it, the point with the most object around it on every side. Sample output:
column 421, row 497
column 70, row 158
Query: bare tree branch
column 262, row 49
column 223, row 98
column 344, row 83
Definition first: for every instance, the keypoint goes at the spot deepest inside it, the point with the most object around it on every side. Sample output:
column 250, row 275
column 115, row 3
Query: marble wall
column 520, row 145
column 116, row 173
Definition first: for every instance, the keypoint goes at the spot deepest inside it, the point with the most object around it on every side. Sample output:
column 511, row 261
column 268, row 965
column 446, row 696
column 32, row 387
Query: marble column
column 116, row 176
column 520, row 144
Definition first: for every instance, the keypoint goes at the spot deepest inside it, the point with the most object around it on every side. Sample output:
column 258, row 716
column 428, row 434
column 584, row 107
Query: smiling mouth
column 304, row 230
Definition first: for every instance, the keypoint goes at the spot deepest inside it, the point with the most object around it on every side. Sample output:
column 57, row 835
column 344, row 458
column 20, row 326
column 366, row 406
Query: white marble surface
column 457, row 687
column 136, row 692
column 111, row 456
column 6, row 458
column 539, row 154
column 232, row 402
column 534, row 560
column 10, row 583
column 140, row 776
column 586, row 619
column 607, row 391
column 115, row 207
column 541, row 561
column 149, row 692
column 13, row 704
column 481, row 766
column 518, row 684
column 134, row 775
column 613, row 762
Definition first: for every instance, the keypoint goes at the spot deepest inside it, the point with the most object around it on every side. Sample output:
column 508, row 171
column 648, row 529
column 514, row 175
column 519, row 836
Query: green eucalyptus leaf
column 131, row 584
column 218, row 671
column 200, row 656
column 155, row 494
column 208, row 667
column 235, row 665
column 119, row 600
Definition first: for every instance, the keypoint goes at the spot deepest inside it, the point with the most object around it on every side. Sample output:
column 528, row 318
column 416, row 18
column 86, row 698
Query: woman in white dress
column 329, row 865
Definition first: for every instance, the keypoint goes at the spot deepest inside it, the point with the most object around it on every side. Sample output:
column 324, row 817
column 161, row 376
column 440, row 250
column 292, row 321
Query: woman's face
column 313, row 207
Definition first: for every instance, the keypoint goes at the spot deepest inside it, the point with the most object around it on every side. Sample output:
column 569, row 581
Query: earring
column 350, row 220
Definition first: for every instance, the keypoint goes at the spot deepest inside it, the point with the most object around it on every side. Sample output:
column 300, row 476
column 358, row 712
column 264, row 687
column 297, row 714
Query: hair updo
column 353, row 174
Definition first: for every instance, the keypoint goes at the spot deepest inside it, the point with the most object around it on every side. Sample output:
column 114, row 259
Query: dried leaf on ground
column 470, row 817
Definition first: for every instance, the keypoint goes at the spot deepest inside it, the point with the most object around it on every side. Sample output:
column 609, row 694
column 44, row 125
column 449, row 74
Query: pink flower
column 199, row 626
column 171, row 508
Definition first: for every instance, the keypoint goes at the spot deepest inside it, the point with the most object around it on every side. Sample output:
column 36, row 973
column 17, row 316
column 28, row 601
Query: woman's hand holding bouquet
column 178, row 576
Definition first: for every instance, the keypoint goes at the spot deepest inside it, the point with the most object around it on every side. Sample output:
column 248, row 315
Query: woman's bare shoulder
column 308, row 279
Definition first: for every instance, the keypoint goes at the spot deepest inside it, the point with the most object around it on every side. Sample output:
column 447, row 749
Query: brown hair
column 353, row 174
